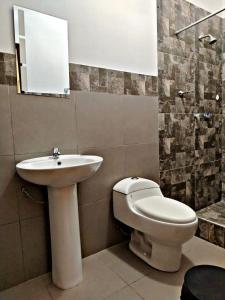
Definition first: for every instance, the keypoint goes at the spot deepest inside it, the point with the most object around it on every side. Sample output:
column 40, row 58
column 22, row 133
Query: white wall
column 210, row 5
column 114, row 34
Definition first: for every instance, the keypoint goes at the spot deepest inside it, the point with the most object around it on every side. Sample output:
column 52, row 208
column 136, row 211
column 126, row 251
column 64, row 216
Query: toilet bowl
column 161, row 225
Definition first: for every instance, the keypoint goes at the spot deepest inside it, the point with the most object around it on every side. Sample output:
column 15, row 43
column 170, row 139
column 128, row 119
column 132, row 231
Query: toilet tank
column 129, row 190
column 133, row 184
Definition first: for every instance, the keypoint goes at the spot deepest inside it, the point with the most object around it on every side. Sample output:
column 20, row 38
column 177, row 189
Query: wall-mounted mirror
column 42, row 53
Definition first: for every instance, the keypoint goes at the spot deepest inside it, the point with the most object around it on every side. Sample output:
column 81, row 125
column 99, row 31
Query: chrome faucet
column 55, row 153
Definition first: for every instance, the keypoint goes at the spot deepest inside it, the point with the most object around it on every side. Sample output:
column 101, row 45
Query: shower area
column 191, row 86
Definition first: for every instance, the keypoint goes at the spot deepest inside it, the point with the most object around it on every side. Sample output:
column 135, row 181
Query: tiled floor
column 212, row 223
column 117, row 274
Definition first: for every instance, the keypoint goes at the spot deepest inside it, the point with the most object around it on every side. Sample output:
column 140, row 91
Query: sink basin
column 61, row 176
column 66, row 170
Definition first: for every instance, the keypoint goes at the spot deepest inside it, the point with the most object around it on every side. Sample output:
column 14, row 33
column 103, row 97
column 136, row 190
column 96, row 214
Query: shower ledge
column 212, row 224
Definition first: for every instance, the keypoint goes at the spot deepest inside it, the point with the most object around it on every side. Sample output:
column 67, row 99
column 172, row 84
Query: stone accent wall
column 223, row 130
column 190, row 146
column 7, row 69
column 212, row 224
column 86, row 78
column 91, row 79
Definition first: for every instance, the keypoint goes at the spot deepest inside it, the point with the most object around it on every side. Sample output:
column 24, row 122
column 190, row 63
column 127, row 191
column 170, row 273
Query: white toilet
column 161, row 225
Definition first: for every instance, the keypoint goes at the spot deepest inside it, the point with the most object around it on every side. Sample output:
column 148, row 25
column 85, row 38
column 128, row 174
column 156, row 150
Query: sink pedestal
column 60, row 176
column 65, row 236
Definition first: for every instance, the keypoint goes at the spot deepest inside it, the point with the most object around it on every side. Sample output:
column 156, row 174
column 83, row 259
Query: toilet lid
column 165, row 209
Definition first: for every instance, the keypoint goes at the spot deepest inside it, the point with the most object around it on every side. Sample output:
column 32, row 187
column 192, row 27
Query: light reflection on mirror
column 42, row 53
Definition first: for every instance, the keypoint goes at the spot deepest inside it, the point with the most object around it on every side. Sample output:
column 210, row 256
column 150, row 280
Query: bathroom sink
column 63, row 171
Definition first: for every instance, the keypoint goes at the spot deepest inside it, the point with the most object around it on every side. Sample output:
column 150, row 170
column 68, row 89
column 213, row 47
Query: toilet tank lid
column 133, row 184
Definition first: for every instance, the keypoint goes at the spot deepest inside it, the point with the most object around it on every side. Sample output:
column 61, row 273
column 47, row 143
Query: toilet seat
column 165, row 209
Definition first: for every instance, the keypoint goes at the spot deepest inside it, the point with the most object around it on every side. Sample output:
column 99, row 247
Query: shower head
column 211, row 39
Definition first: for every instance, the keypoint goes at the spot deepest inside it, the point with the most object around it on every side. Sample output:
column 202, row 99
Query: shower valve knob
column 181, row 93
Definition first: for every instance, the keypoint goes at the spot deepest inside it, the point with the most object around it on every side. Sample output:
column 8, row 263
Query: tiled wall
column 98, row 118
column 190, row 148
column 223, row 130
column 113, row 114
column 212, row 224
column 85, row 78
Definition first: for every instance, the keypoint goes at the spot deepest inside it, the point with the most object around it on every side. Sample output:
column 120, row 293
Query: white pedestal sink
column 61, row 176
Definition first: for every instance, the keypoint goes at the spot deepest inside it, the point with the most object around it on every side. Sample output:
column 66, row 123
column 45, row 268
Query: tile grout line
column 136, row 292
column 211, row 222
column 48, row 291
column 194, row 165
column 105, row 298
column 76, row 123
column 17, row 197
column 118, row 275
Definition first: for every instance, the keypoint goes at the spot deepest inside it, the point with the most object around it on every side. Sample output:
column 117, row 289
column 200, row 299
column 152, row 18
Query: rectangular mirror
column 42, row 53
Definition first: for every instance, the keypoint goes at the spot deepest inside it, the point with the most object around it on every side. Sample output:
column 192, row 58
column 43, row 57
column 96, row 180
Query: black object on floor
column 204, row 283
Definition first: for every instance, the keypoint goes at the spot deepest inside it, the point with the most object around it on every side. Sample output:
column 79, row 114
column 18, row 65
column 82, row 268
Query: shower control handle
column 181, row 93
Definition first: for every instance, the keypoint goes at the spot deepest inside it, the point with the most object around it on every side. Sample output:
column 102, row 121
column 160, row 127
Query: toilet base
column 162, row 257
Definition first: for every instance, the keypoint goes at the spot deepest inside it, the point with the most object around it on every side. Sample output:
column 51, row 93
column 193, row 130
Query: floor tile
column 98, row 283
column 166, row 286
column 154, row 289
column 199, row 252
column 126, row 293
column 124, row 263
column 31, row 290
column 107, row 274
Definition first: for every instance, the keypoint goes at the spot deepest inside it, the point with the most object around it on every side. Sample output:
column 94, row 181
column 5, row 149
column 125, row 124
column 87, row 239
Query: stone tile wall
column 86, row 78
column 91, row 79
column 212, row 224
column 7, row 69
column 223, row 129
column 190, row 146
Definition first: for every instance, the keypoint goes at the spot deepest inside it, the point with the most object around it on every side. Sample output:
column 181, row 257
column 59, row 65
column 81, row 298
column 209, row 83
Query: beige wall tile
column 99, row 119
column 40, row 123
column 99, row 229
column 100, row 185
column 11, row 260
column 142, row 161
column 6, row 139
column 36, row 246
column 35, row 207
column 8, row 197
column 121, row 129
column 140, row 116
column 38, row 206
